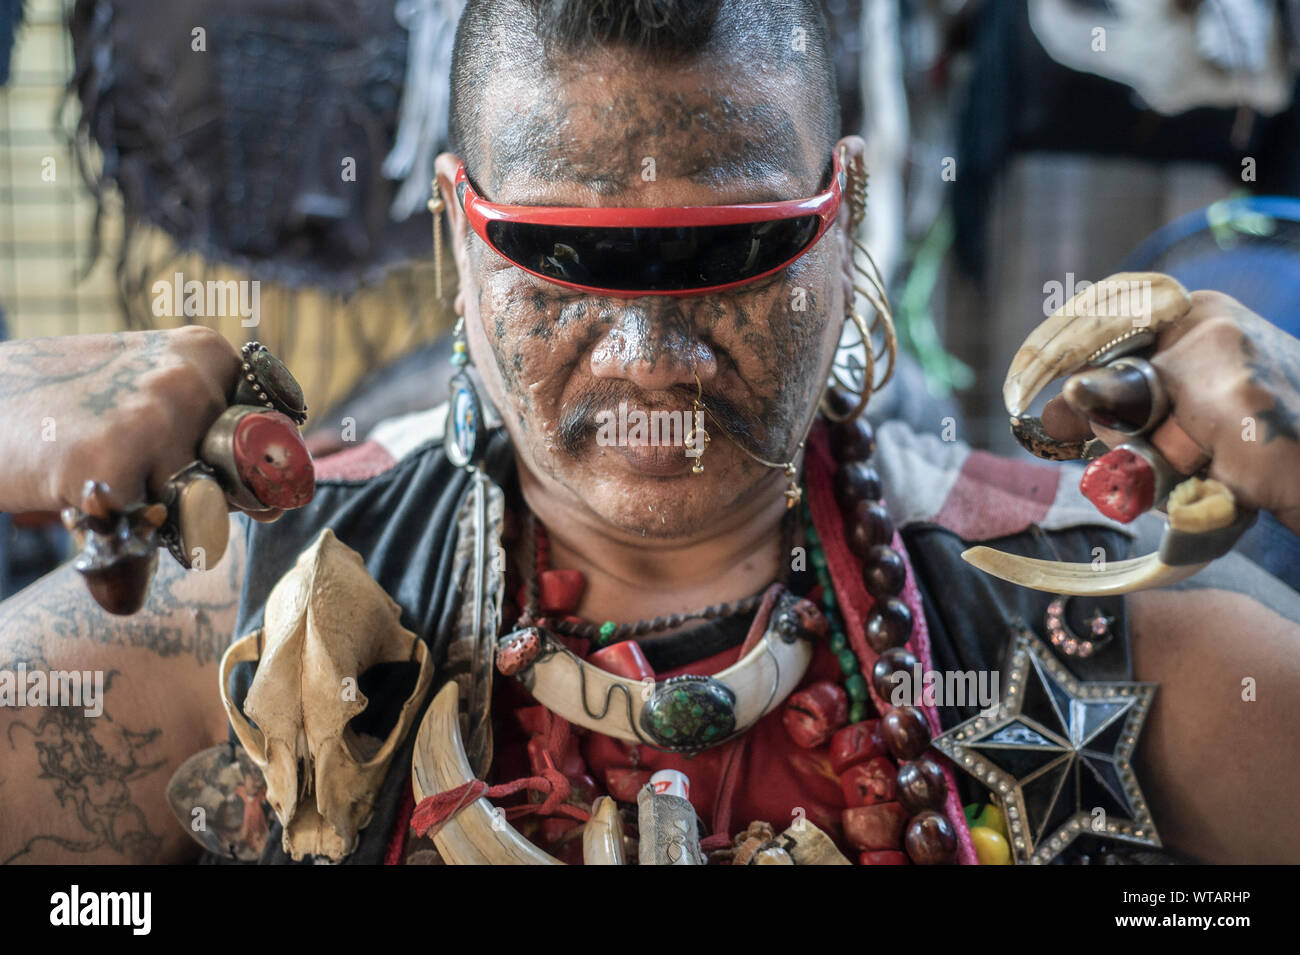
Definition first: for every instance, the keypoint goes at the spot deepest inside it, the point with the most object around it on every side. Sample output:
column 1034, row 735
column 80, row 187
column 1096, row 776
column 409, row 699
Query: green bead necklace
column 855, row 684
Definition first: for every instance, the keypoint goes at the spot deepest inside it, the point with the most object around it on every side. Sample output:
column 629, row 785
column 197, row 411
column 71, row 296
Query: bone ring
column 1204, row 524
column 197, row 528
column 1087, row 327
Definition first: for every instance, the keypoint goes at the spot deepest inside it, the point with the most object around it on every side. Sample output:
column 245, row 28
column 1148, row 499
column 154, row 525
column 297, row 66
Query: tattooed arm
column 79, row 788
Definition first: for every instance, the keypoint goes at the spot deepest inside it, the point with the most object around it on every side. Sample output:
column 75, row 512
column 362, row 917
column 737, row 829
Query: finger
column 122, row 477
column 1064, row 423
column 1183, row 454
column 1112, row 439
column 166, row 464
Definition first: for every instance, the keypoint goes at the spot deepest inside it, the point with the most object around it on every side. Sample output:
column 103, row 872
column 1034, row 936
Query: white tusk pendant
column 602, row 837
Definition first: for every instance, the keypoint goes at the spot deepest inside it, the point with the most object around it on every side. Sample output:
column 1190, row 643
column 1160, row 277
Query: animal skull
column 327, row 622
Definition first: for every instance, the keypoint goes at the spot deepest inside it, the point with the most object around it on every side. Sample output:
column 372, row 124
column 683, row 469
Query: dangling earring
column 436, row 205
column 465, row 435
column 793, row 492
column 697, row 439
column 855, row 190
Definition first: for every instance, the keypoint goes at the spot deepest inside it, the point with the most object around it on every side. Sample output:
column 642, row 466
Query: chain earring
column 793, row 492
column 436, row 206
column 858, row 377
column 697, row 439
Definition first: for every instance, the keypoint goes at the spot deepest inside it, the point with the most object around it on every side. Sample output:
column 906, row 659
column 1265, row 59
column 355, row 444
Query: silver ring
column 265, row 380
column 1166, row 478
column 1159, row 397
column 218, row 452
column 186, row 533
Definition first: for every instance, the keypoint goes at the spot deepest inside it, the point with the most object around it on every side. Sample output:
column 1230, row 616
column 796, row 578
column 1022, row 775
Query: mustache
column 577, row 424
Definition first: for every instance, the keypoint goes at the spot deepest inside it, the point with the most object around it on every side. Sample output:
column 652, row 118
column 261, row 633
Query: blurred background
column 1016, row 148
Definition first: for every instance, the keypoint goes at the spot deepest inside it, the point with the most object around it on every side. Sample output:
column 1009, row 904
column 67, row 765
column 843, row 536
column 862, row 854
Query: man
column 666, row 105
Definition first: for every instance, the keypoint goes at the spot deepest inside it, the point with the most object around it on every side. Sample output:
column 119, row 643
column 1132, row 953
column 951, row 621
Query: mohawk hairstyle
column 648, row 26
column 496, row 35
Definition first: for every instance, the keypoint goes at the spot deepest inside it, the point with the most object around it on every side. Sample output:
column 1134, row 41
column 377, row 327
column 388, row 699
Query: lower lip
column 661, row 461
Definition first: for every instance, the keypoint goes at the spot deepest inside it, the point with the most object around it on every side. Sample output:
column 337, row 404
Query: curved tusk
column 1204, row 523
column 582, row 692
column 1079, row 580
column 602, row 837
column 478, row 834
column 1119, row 304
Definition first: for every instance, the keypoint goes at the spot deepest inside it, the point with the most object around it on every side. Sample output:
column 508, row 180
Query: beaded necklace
column 609, row 632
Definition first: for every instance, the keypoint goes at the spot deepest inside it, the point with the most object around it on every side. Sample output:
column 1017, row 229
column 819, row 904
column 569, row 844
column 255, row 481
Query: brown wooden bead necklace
column 909, row 805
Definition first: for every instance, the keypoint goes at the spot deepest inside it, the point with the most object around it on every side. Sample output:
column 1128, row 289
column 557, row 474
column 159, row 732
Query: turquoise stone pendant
column 689, row 713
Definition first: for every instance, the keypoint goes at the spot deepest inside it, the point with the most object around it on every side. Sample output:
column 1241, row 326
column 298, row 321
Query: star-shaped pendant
column 1057, row 754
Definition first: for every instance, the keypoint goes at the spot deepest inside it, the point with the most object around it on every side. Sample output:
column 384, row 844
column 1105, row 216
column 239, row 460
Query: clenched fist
column 1233, row 382
column 128, row 409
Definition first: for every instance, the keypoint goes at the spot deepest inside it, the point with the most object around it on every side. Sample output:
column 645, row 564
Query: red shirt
column 761, row 776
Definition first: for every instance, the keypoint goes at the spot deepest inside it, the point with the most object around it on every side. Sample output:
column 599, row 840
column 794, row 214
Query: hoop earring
column 856, row 190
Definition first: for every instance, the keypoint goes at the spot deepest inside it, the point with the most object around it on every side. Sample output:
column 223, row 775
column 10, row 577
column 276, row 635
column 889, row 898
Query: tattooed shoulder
column 86, row 781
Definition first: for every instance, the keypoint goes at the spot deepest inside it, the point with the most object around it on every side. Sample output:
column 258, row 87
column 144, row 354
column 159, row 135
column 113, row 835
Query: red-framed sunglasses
column 670, row 250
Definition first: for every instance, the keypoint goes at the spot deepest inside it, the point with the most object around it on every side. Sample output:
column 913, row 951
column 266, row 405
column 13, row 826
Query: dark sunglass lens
column 653, row 259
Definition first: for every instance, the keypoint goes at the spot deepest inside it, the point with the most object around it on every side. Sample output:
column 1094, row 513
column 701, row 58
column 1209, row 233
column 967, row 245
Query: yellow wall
column 46, row 227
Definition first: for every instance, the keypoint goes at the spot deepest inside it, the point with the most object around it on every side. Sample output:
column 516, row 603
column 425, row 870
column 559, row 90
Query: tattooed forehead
column 603, row 141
